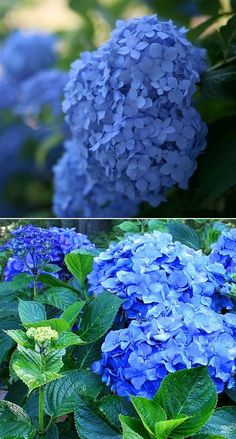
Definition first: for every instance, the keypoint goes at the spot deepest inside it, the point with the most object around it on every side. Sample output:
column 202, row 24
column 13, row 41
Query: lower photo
column 118, row 329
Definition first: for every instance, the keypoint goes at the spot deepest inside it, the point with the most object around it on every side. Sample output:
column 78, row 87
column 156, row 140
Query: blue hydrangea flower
column 136, row 359
column 33, row 247
column 132, row 98
column 26, row 52
column 83, row 190
column 151, row 273
column 41, row 91
column 8, row 93
column 224, row 250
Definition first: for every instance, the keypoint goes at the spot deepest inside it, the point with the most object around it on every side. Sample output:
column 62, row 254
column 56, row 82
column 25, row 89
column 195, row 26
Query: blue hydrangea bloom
column 224, row 250
column 41, row 91
column 83, row 190
column 133, row 99
column 136, row 359
column 33, row 247
column 8, row 93
column 151, row 273
column 26, row 52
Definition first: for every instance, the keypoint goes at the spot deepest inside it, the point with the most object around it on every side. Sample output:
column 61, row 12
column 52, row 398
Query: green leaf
column 36, row 370
column 133, row 428
column 20, row 338
column 14, row 422
column 216, row 171
column 59, row 297
column 90, row 423
column 164, row 429
column 155, row 224
column 52, row 281
column 61, row 396
column 149, row 412
column 98, row 316
column 70, row 314
column 222, row 423
column 6, row 344
column 188, row 393
column 59, row 324
column 85, row 355
column 80, row 265
column 30, row 311
column 112, row 406
column 185, row 234
column 129, row 226
column 228, row 33
column 219, row 83
column 67, row 339
column 82, row 7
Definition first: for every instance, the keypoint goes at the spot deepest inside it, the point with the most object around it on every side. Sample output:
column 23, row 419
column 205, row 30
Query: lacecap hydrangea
column 173, row 297
column 82, row 188
column 136, row 359
column 151, row 272
column 224, row 250
column 34, row 247
column 26, row 52
column 133, row 99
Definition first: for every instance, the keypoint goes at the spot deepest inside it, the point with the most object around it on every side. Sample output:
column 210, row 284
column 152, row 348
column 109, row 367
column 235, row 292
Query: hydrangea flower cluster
column 26, row 52
column 42, row 335
column 29, row 88
column 83, row 189
column 224, row 250
column 33, row 247
column 173, row 298
column 151, row 273
column 131, row 100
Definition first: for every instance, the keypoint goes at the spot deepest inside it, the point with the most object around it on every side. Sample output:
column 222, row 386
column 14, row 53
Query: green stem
column 41, row 413
column 48, row 425
column 35, row 287
column 222, row 64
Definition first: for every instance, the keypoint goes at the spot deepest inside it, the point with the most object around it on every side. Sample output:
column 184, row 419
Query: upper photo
column 117, row 108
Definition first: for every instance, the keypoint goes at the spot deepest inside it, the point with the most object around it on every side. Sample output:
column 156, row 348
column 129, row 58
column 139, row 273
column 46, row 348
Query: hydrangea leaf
column 31, row 311
column 222, row 424
column 52, row 281
column 20, row 338
column 58, row 325
column 132, row 428
column 219, row 83
column 61, row 396
column 85, row 355
column 70, row 314
column 188, row 393
column 5, row 345
column 35, row 370
column 80, row 265
column 129, row 226
column 228, row 33
column 98, row 316
column 149, row 412
column 112, row 406
column 163, row 429
column 90, row 423
column 185, row 234
column 67, row 339
column 14, row 422
column 59, row 297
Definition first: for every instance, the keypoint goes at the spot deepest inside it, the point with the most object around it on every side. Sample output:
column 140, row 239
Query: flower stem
column 41, row 413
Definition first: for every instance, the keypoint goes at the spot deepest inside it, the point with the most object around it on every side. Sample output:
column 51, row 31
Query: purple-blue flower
column 132, row 100
column 224, row 250
column 26, row 52
column 34, row 247
column 83, row 190
column 151, row 273
column 136, row 359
